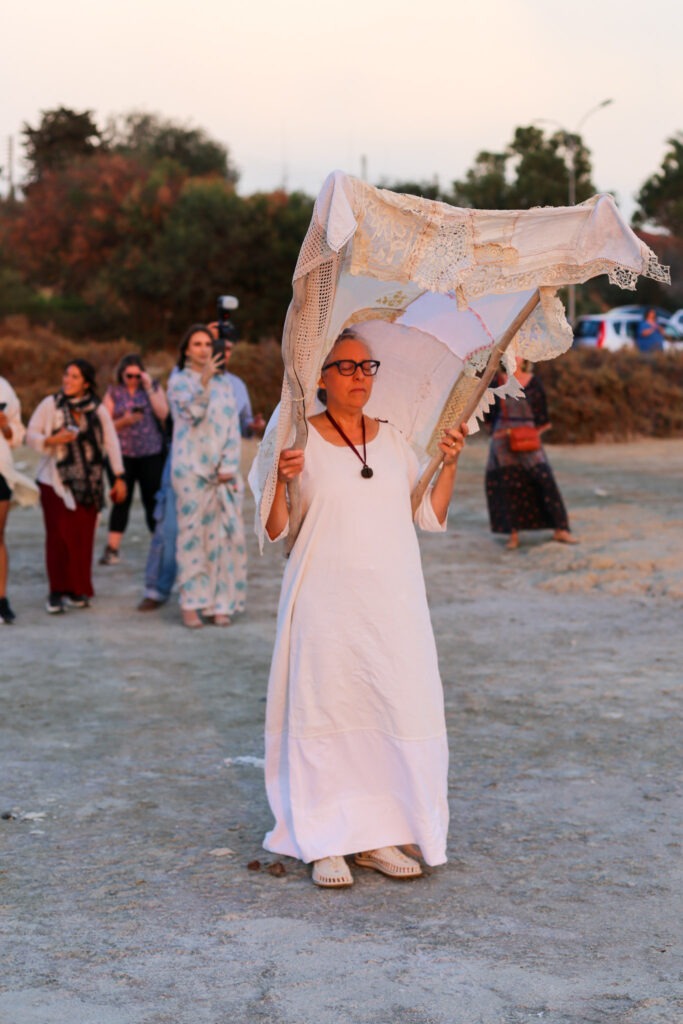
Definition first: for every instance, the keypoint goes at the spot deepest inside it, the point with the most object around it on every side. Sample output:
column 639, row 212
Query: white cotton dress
column 356, row 749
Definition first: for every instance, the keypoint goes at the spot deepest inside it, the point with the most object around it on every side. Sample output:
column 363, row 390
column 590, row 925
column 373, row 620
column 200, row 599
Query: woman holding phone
column 205, row 470
column 73, row 431
column 139, row 409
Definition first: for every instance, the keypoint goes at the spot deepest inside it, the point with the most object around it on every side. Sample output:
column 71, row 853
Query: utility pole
column 571, row 141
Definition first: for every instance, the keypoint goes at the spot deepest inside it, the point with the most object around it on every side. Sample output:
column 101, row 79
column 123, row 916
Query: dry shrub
column 33, row 358
column 591, row 394
column 261, row 368
column 594, row 395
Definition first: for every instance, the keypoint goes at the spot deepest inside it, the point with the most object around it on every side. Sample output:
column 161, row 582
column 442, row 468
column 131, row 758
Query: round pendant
column 366, row 472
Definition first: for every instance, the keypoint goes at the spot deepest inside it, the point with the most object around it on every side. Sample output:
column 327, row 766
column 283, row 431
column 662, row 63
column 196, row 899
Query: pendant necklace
column 365, row 472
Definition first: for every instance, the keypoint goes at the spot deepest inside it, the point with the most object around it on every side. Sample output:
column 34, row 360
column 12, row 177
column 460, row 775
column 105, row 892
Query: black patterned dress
column 520, row 487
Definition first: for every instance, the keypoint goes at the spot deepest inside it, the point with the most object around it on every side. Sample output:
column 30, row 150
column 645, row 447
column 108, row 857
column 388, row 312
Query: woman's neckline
column 342, row 443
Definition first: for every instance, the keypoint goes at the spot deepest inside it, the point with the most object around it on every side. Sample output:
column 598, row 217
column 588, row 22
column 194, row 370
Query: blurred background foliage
column 125, row 233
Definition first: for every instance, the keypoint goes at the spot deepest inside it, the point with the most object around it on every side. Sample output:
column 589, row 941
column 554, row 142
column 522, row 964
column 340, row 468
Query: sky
column 399, row 90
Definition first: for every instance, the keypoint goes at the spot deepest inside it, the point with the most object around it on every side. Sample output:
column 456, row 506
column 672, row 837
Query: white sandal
column 390, row 861
column 331, row 873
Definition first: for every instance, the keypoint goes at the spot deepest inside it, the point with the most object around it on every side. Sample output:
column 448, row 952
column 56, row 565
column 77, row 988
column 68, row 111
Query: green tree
column 62, row 136
column 425, row 189
column 533, row 170
column 150, row 139
column 660, row 200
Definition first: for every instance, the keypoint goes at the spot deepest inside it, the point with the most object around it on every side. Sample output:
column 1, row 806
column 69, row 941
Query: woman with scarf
column 74, row 432
column 211, row 550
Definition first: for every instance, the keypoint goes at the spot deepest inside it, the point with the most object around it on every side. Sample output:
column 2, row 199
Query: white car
column 619, row 329
column 676, row 320
column 604, row 330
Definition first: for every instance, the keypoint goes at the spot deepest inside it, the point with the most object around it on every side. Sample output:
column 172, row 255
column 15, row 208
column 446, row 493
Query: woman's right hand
column 290, row 464
column 129, row 419
column 62, row 436
column 211, row 368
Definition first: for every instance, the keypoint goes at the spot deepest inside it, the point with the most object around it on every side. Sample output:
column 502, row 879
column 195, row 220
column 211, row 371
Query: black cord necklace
column 365, row 472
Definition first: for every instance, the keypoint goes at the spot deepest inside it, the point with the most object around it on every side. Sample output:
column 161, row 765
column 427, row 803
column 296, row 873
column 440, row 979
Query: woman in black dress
column 520, row 486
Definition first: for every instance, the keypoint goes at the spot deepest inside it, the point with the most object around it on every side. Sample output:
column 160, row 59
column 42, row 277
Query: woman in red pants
column 73, row 431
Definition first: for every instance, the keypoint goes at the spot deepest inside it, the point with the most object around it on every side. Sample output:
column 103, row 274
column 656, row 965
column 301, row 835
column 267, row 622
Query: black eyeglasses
column 347, row 367
column 133, row 376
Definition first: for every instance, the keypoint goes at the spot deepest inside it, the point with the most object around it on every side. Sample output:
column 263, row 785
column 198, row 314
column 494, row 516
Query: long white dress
column 356, row 749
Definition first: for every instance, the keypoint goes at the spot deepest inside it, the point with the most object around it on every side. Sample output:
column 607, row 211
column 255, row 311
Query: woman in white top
column 356, row 750
column 73, row 431
column 13, row 485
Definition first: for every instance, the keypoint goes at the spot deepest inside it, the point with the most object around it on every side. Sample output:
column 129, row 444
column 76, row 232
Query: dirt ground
column 133, row 797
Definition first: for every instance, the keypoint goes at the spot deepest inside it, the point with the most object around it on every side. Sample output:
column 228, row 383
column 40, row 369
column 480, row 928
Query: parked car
column 602, row 330
column 618, row 328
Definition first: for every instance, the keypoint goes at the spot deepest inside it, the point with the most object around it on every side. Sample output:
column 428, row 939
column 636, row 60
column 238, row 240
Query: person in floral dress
column 211, row 550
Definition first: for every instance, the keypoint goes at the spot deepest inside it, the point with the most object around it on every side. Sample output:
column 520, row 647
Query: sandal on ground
column 221, row 620
column 390, row 861
column 191, row 618
column 331, row 873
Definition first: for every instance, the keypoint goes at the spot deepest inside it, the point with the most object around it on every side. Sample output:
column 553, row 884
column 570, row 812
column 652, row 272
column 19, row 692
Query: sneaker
column 54, row 604
column 110, row 556
column 76, row 601
column 7, row 616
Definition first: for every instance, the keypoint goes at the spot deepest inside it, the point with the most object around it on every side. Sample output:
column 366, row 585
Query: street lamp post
column 570, row 141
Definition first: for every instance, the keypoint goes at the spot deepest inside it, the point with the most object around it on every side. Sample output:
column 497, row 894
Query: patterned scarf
column 80, row 463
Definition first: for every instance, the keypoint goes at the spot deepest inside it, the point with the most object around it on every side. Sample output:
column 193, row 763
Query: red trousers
column 69, row 541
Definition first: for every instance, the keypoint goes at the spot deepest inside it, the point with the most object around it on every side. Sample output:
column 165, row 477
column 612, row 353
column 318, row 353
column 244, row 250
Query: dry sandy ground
column 130, row 765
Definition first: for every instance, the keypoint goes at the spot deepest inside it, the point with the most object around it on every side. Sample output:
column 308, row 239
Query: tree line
column 135, row 227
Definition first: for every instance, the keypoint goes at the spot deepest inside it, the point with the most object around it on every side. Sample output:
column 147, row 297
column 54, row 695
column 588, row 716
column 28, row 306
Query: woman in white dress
column 356, row 749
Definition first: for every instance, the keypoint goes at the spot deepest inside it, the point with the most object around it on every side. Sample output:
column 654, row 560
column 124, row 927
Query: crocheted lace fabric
column 370, row 254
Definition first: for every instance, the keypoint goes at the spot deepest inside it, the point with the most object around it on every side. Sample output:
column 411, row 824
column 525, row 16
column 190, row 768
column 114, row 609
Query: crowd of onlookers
column 180, row 446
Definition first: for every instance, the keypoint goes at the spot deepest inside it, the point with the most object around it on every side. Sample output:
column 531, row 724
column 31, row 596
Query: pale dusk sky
column 413, row 89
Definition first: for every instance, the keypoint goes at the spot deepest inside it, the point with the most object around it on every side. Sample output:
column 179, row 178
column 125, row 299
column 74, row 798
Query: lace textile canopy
column 433, row 288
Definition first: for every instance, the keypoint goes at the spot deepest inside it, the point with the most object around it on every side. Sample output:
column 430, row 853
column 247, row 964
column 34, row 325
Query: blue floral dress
column 211, row 551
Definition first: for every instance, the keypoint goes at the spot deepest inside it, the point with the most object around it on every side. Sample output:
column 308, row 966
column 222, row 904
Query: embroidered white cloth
column 373, row 255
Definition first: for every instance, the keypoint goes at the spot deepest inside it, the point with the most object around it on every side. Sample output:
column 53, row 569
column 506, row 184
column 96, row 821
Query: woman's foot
column 111, row 556
column 191, row 618
column 513, row 541
column 565, row 537
column 390, row 861
column 331, row 873
column 7, row 616
column 221, row 620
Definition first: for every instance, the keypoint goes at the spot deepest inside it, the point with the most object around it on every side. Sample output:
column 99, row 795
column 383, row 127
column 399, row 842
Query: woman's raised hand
column 211, row 368
column 290, row 464
column 452, row 443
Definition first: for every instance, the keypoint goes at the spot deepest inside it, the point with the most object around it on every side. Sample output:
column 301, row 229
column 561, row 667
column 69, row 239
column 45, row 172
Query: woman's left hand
column 225, row 478
column 118, row 492
column 452, row 443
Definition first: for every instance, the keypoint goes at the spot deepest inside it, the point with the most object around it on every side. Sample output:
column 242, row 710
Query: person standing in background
column 160, row 571
column 205, row 470
column 139, row 409
column 521, row 490
column 73, row 432
column 649, row 335
column 13, row 485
